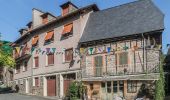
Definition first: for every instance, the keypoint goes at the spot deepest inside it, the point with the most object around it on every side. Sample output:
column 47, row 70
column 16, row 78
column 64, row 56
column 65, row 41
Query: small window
column 123, row 58
column 115, row 86
column 50, row 59
column 18, row 69
column 65, row 10
column 45, row 19
column 36, row 62
column 68, row 55
column 109, row 87
column 131, row 86
column 25, row 66
column 36, row 81
column 68, row 29
column 49, row 37
column 35, row 41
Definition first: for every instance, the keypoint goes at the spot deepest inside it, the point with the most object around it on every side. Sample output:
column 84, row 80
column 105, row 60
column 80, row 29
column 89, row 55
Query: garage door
column 67, row 83
column 51, row 86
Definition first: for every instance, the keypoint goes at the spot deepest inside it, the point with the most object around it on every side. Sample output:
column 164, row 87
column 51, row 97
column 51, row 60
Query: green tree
column 160, row 84
column 6, row 58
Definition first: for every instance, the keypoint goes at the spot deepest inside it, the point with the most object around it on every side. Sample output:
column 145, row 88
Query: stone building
column 120, row 49
column 48, row 62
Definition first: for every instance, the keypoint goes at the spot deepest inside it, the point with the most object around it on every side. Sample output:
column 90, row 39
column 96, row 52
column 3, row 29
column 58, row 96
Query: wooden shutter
column 123, row 58
column 49, row 35
column 35, row 40
column 67, row 28
column 98, row 65
column 36, row 61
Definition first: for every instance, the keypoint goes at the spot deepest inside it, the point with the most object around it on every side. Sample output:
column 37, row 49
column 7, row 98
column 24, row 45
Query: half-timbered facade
column 121, row 50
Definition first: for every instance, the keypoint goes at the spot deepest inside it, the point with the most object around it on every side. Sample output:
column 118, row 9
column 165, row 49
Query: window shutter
column 123, row 58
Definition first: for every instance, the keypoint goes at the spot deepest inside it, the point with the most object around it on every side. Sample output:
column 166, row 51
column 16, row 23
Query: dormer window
column 68, row 7
column 45, row 19
column 49, row 37
column 29, row 26
column 68, row 29
column 65, row 10
column 35, row 41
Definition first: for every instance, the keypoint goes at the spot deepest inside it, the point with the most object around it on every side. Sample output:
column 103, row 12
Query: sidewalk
column 43, row 97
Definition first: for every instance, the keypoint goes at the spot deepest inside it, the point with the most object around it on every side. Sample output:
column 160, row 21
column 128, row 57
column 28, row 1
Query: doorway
column 110, row 89
column 51, row 86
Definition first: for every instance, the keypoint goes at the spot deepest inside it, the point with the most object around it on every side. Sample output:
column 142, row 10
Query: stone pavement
column 16, row 96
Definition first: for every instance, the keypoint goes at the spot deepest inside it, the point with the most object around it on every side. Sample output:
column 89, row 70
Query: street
column 15, row 96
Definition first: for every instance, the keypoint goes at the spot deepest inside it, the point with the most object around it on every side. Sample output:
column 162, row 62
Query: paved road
column 14, row 96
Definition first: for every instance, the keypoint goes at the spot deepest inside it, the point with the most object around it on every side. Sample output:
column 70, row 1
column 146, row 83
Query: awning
column 49, row 35
column 67, row 28
column 35, row 40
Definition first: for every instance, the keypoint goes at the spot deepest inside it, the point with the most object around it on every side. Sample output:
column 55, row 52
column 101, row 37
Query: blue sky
column 15, row 14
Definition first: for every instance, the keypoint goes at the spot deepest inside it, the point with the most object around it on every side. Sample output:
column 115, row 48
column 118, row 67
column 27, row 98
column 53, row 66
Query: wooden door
column 67, row 83
column 51, row 86
column 98, row 65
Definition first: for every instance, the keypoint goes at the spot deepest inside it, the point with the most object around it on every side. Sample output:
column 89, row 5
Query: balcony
column 121, row 70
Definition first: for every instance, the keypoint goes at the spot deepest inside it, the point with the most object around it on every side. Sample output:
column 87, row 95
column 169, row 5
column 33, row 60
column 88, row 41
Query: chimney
column 67, row 8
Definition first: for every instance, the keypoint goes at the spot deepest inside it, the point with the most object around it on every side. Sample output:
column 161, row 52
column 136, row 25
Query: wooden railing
column 119, row 70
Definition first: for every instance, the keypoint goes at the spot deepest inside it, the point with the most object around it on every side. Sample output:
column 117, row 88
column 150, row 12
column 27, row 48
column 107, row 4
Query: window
column 65, row 10
column 68, row 29
column 50, row 59
column 45, row 19
column 115, row 86
column 131, row 86
column 25, row 66
column 18, row 69
column 123, row 58
column 36, row 62
column 35, row 41
column 36, row 81
column 68, row 55
column 103, row 86
column 49, row 37
column 121, row 86
column 109, row 89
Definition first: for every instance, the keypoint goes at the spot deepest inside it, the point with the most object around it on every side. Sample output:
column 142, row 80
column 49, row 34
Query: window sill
column 47, row 43
column 35, row 67
column 49, row 65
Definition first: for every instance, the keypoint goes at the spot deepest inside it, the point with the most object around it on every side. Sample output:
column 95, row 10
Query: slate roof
column 132, row 18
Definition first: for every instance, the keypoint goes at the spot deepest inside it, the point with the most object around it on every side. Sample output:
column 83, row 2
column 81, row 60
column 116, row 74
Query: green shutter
column 98, row 65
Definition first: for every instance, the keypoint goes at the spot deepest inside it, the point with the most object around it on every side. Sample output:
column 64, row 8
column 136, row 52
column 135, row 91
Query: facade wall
column 139, row 60
column 108, row 96
column 59, row 68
